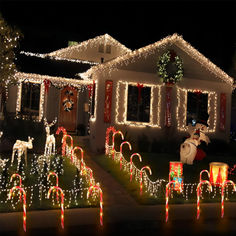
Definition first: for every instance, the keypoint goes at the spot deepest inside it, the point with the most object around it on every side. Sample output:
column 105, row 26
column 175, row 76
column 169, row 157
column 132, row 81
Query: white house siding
column 11, row 102
column 98, row 127
column 51, row 106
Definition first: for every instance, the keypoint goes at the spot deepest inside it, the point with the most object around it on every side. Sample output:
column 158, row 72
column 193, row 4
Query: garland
column 165, row 59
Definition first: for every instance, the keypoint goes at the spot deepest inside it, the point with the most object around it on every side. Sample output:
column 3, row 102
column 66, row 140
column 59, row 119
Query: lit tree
column 8, row 42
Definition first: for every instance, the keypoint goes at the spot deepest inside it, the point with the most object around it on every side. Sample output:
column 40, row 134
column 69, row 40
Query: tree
column 9, row 38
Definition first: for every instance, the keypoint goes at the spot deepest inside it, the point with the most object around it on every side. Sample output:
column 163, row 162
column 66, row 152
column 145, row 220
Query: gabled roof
column 151, row 49
column 64, row 52
column 48, row 66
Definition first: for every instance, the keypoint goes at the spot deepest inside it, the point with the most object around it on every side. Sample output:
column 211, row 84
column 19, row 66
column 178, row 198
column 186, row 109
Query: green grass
column 33, row 177
column 159, row 164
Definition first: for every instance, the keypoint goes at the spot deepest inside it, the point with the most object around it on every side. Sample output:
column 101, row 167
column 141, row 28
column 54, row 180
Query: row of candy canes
column 111, row 150
column 69, row 151
column 121, row 156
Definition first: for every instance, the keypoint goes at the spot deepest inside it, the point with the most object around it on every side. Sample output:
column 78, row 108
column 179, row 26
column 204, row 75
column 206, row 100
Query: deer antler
column 51, row 124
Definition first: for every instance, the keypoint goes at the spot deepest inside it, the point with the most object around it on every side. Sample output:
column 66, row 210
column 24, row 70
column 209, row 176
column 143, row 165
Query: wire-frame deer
column 50, row 139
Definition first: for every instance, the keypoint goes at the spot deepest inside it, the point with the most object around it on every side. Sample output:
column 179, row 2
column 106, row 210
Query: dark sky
column 209, row 26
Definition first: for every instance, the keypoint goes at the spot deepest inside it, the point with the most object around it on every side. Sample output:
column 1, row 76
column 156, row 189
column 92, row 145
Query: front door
column 68, row 108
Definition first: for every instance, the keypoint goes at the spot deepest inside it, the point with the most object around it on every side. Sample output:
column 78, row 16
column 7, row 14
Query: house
column 153, row 91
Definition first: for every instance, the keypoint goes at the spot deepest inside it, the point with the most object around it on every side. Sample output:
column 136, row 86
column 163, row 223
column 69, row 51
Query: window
column 30, row 98
column 138, row 104
column 108, row 48
column 101, row 48
column 197, row 103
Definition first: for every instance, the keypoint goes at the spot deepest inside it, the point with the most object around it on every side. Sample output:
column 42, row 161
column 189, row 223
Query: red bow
column 47, row 84
column 140, row 86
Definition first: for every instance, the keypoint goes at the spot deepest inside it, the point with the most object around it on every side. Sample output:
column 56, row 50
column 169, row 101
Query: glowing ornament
column 222, row 194
column 21, row 148
column 218, row 173
column 176, row 173
column 50, row 139
column 22, row 191
column 121, row 149
column 141, row 177
column 113, row 141
column 97, row 187
column 131, row 163
column 62, row 202
column 199, row 194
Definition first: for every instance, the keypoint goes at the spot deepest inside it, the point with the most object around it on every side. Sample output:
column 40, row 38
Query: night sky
column 209, row 26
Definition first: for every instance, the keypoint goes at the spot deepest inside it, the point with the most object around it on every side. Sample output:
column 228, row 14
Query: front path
column 113, row 193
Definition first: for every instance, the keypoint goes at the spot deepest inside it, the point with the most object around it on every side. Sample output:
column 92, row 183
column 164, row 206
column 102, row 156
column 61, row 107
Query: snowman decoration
column 189, row 150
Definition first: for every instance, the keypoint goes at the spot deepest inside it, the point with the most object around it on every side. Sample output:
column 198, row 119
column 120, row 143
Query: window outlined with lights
column 181, row 108
column 30, row 99
column 122, row 96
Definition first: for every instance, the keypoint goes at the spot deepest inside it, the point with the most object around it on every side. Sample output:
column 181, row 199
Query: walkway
column 114, row 193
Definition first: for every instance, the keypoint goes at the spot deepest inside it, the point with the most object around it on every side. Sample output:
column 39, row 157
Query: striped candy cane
column 113, row 141
column 22, row 191
column 64, row 143
column 141, row 177
column 82, row 157
column 121, row 149
column 222, row 195
column 167, row 196
column 199, row 194
column 94, row 187
column 131, row 163
column 62, row 202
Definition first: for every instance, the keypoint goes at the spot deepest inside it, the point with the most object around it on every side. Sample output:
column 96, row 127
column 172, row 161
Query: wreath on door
column 68, row 102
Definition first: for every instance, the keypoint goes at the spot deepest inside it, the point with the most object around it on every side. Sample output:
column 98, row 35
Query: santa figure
column 191, row 149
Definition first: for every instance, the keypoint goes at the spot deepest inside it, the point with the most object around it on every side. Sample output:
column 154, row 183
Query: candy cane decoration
column 64, row 143
column 55, row 174
column 167, row 196
column 121, row 149
column 61, row 129
column 14, row 176
column 62, row 202
column 22, row 191
column 141, row 177
column 199, row 194
column 200, row 179
column 91, row 188
column 91, row 179
column 131, row 163
column 110, row 129
column 113, row 141
column 222, row 194
column 82, row 156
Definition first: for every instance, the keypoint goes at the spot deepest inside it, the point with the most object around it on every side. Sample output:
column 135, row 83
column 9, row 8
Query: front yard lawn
column 159, row 164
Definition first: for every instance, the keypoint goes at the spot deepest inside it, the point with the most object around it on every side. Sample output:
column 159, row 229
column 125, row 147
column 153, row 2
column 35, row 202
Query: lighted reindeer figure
column 21, row 148
column 50, row 139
